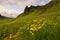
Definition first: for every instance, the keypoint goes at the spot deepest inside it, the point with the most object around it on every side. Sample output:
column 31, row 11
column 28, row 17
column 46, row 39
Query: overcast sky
column 18, row 6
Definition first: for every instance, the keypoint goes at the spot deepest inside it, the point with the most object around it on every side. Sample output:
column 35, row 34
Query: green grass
column 36, row 25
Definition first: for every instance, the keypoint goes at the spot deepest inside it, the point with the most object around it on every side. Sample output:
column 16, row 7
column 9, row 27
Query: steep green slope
column 38, row 24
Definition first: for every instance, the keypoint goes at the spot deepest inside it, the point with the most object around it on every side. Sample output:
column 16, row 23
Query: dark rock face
column 41, row 8
column 26, row 9
column 1, row 16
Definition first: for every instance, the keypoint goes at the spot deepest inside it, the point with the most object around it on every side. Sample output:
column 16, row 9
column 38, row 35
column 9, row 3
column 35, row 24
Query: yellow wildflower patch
column 36, row 27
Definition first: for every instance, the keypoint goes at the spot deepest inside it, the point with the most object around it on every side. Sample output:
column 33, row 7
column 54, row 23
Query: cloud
column 21, row 4
column 18, row 6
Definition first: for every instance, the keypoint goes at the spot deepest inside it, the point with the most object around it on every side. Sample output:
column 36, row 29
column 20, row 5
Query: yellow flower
column 39, row 24
column 31, row 32
column 36, row 25
column 35, row 29
column 28, row 28
column 33, row 25
column 39, row 27
column 32, row 29
column 17, row 33
column 43, row 23
column 34, row 20
column 10, row 36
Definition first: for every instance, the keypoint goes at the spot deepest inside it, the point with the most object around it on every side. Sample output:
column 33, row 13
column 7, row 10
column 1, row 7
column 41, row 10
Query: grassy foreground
column 36, row 25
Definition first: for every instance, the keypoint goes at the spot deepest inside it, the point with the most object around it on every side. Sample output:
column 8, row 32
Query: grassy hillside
column 37, row 23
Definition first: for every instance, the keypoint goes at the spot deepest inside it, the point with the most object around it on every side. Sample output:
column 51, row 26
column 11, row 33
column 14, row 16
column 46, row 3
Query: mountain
column 37, row 23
